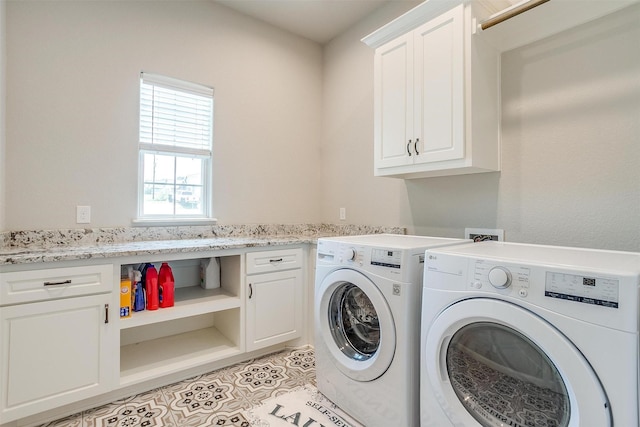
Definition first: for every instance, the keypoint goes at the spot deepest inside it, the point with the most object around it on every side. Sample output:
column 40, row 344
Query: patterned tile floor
column 214, row 399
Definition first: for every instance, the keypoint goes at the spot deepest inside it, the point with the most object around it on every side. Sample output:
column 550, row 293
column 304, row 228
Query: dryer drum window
column 354, row 322
column 503, row 378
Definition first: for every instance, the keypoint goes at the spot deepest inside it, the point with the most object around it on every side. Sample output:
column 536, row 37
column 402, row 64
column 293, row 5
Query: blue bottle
column 138, row 299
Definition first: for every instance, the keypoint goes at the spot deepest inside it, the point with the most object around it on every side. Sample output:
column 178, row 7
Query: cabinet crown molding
column 409, row 21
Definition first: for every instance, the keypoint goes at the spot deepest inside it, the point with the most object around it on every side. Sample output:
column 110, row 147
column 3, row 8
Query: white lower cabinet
column 62, row 339
column 55, row 352
column 275, row 298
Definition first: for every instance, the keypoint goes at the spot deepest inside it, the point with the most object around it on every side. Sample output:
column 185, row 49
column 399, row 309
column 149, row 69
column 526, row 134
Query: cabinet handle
column 275, row 260
column 415, row 146
column 64, row 282
column 409, row 147
column 106, row 313
column 250, row 291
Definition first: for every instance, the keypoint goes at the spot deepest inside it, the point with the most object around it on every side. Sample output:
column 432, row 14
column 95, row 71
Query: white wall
column 3, row 104
column 347, row 141
column 294, row 130
column 72, row 87
column 570, row 145
column 571, row 127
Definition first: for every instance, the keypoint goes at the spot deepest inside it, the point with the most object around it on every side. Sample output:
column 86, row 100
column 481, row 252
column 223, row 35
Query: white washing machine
column 528, row 335
column 367, row 322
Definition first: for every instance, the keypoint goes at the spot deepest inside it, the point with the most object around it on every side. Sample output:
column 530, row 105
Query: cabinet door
column 55, row 353
column 439, row 88
column 393, row 103
column 274, row 309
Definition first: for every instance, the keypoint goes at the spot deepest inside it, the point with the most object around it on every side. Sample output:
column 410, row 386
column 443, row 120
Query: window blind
column 175, row 114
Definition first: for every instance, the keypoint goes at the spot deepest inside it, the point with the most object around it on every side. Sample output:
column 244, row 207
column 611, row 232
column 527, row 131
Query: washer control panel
column 404, row 265
column 349, row 254
column 360, row 255
column 386, row 257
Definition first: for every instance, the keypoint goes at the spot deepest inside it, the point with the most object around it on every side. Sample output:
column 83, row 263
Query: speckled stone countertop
column 25, row 247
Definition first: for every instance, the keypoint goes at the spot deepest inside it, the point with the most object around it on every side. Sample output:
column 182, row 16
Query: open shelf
column 189, row 301
column 203, row 326
column 150, row 359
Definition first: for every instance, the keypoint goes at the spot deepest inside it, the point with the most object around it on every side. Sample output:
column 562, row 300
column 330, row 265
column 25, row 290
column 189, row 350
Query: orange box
column 125, row 297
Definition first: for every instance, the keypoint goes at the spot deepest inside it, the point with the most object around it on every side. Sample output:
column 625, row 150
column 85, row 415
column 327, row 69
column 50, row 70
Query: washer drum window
column 354, row 322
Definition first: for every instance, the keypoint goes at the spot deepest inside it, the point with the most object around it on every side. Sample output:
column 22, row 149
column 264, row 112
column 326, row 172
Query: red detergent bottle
column 151, row 287
column 166, row 285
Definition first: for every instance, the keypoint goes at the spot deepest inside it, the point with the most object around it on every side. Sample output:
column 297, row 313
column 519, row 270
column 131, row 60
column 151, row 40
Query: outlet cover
column 83, row 214
column 480, row 234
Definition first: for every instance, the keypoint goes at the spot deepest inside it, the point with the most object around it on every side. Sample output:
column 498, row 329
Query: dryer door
column 492, row 363
column 356, row 324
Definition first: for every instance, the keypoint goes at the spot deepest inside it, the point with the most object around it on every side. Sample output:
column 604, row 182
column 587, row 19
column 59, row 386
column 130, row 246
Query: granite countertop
column 112, row 250
column 27, row 247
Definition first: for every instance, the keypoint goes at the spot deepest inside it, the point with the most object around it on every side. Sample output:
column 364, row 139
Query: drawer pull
column 273, row 261
column 64, row 282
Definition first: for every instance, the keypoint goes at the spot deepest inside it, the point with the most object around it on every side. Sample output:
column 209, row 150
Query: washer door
column 356, row 324
column 493, row 363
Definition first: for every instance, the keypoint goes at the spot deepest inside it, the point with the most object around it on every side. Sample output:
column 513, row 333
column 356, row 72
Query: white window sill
column 165, row 222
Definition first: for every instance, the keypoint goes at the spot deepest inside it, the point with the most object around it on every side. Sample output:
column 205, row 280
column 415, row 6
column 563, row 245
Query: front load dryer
column 529, row 335
column 367, row 325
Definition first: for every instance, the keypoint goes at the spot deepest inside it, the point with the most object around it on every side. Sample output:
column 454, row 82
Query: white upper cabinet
column 436, row 95
column 393, row 126
column 439, row 88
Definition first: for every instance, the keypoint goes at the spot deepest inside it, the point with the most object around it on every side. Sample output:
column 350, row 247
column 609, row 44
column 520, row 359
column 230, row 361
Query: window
column 175, row 149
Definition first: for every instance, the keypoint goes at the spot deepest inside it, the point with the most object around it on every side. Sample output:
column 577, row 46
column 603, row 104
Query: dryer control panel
column 599, row 287
column 603, row 291
column 488, row 274
column 588, row 290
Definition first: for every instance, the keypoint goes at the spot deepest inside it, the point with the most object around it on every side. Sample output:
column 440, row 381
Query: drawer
column 53, row 283
column 278, row 260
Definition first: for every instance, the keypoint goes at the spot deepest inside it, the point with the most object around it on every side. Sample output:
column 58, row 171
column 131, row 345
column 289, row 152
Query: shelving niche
column 205, row 325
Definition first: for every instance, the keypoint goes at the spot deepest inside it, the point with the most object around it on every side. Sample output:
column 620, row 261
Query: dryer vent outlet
column 482, row 234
